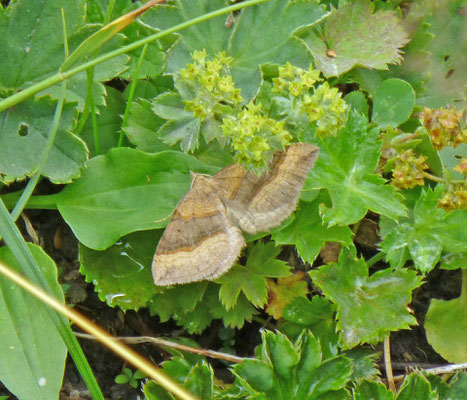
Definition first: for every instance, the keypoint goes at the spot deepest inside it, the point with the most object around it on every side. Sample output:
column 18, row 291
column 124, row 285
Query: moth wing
column 200, row 242
column 259, row 203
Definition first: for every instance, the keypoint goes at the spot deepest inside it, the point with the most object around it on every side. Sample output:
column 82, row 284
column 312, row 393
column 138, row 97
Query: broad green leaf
column 393, row 103
column 364, row 363
column 109, row 121
column 270, row 45
column 416, row 387
column 426, row 233
column 454, row 261
column 317, row 316
column 33, row 356
column 125, row 191
column 122, row 273
column 258, row 374
column 251, row 278
column 458, row 388
column 32, row 38
column 368, row 307
column 366, row 390
column 307, row 232
column 357, row 37
column 446, row 325
column 24, row 130
column 142, row 125
column 281, row 353
column 345, row 167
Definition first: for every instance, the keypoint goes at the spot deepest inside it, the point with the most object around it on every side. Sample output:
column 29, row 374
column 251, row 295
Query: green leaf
column 251, row 278
column 142, row 125
column 109, row 121
column 393, row 103
column 426, row 233
column 446, row 325
column 200, row 380
column 307, row 232
column 454, row 261
column 366, row 390
column 270, row 45
column 182, row 126
column 369, row 307
column 416, row 387
column 32, row 38
column 122, row 273
column 293, row 371
column 24, row 343
column 24, row 130
column 358, row 102
column 284, row 291
column 358, row 38
column 317, row 316
column 458, row 388
column 125, row 191
column 345, row 167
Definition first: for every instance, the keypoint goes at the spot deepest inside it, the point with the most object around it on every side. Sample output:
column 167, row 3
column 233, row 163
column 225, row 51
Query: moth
column 204, row 237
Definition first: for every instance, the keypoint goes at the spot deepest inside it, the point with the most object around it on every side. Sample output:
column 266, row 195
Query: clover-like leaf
column 368, row 307
column 251, row 278
column 270, row 45
column 284, row 291
column 345, row 167
column 354, row 36
column 24, row 131
column 425, row 234
column 393, row 103
column 287, row 370
column 308, row 233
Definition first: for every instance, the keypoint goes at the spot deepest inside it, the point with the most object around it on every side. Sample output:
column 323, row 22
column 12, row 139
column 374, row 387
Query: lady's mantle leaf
column 287, row 370
column 251, row 42
column 126, row 191
column 32, row 38
column 345, row 167
column 357, row 37
column 284, row 291
column 24, row 130
column 251, row 279
column 369, row 307
column 307, row 232
column 425, row 234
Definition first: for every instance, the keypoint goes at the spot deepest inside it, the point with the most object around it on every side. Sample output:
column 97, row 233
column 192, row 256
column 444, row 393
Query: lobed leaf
column 368, row 307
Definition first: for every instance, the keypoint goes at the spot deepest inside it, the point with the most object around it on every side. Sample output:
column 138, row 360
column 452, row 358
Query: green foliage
column 368, row 307
column 26, row 346
column 236, row 90
column 129, row 377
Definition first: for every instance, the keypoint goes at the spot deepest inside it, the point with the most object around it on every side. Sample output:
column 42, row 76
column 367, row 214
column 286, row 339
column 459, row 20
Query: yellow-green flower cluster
column 455, row 198
column 327, row 108
column 295, row 80
column 321, row 105
column 254, row 136
column 408, row 170
column 443, row 126
column 212, row 83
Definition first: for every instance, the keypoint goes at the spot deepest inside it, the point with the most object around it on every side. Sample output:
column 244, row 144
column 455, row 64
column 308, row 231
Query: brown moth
column 204, row 238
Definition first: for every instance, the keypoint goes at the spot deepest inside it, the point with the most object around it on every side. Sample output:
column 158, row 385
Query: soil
column 409, row 348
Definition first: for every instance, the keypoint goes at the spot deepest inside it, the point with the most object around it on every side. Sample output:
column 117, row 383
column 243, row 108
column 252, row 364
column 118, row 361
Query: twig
column 167, row 343
column 446, row 369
